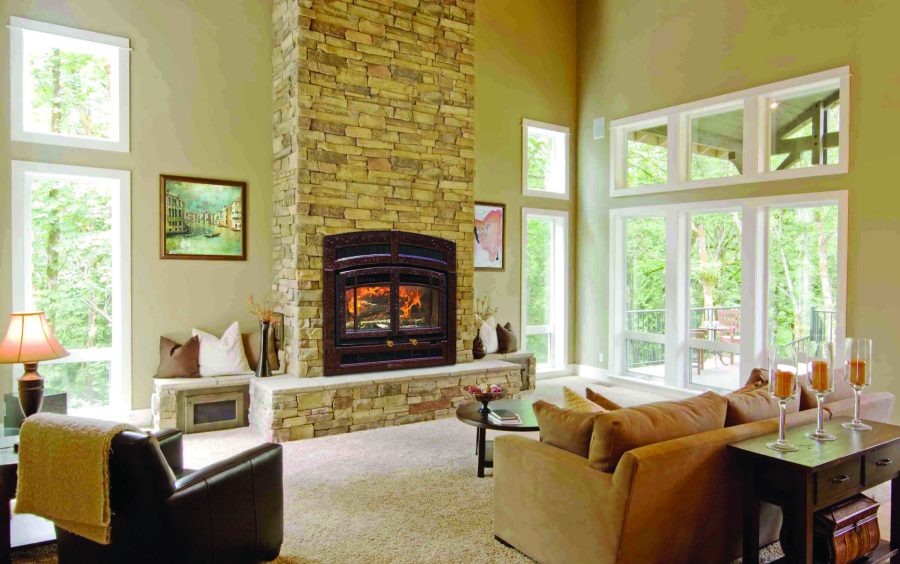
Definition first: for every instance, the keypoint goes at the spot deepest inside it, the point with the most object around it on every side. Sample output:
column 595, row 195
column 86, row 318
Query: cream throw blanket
column 64, row 472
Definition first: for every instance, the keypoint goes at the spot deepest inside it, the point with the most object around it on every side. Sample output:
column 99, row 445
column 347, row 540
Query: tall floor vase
column 263, row 369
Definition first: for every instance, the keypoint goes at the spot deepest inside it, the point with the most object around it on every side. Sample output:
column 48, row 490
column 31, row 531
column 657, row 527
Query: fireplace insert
column 389, row 300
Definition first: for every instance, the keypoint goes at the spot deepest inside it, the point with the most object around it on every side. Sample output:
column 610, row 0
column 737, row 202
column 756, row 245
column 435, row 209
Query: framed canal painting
column 490, row 235
column 202, row 218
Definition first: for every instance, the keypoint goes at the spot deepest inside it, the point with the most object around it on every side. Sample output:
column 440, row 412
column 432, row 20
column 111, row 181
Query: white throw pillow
column 222, row 356
column 488, row 334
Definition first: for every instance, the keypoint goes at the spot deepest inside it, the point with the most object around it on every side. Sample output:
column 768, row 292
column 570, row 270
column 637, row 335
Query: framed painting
column 490, row 236
column 202, row 218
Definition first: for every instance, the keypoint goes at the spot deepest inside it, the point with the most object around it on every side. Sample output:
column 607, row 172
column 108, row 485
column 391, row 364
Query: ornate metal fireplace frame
column 395, row 253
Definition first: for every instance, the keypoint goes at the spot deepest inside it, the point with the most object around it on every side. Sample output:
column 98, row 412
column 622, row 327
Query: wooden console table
column 817, row 476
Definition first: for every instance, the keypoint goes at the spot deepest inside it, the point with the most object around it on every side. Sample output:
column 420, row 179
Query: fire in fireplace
column 390, row 301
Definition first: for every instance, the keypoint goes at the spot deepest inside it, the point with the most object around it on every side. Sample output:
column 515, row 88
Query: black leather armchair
column 228, row 512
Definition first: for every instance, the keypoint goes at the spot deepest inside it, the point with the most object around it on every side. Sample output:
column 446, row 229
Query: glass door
column 645, row 297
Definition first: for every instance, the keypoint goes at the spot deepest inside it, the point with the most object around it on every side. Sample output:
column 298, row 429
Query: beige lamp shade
column 30, row 339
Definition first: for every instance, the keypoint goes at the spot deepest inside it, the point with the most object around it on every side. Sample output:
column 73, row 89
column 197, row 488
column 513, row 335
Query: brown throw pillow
column 506, row 339
column 619, row 431
column 251, row 349
column 179, row 361
column 574, row 402
column 601, row 400
column 754, row 405
column 758, row 377
column 563, row 428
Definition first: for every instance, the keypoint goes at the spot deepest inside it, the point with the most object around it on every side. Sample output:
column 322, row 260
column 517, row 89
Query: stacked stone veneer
column 288, row 409
column 373, row 129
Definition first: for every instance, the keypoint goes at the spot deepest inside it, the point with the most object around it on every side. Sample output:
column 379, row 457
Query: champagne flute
column 858, row 372
column 819, row 363
column 783, row 379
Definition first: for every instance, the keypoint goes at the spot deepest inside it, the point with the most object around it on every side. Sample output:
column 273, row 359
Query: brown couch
column 674, row 501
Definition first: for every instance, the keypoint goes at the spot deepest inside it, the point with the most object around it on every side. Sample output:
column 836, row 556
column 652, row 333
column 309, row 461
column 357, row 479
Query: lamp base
column 31, row 390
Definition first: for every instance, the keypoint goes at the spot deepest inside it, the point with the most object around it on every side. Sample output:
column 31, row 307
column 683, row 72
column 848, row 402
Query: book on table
column 504, row 417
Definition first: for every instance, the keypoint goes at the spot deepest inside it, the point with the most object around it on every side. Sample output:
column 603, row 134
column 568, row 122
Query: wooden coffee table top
column 468, row 413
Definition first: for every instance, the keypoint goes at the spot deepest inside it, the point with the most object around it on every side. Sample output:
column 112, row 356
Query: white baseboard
column 605, row 377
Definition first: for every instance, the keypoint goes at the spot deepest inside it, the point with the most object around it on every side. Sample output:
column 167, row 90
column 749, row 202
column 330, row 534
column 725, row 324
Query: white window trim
column 17, row 123
column 756, row 139
column 120, row 364
column 559, row 326
column 526, row 123
column 754, row 278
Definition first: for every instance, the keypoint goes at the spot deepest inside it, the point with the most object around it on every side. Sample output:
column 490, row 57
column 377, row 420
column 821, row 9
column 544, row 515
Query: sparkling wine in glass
column 858, row 372
column 819, row 364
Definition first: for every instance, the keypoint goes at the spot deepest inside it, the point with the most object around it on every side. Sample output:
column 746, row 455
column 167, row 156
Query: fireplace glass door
column 420, row 304
column 367, row 304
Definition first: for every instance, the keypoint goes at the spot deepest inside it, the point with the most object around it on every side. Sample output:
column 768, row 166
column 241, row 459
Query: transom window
column 545, row 159
column 789, row 129
column 697, row 290
column 68, row 86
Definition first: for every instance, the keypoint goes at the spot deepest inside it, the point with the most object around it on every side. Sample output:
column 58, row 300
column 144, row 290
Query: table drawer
column 838, row 481
column 882, row 464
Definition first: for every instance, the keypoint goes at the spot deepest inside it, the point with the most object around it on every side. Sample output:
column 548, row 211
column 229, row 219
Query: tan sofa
column 675, row 501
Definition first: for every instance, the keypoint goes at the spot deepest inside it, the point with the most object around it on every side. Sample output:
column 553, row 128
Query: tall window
column 696, row 289
column 69, row 86
column 545, row 280
column 545, row 160
column 71, row 259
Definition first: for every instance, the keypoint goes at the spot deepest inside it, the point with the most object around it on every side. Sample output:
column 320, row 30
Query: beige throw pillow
column 574, row 402
column 619, row 431
column 601, row 400
column 564, row 428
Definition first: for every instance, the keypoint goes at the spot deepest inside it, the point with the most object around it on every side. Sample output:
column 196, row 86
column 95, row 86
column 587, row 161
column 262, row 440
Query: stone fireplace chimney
column 373, row 130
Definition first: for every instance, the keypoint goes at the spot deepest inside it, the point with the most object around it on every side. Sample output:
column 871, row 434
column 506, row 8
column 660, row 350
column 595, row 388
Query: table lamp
column 29, row 340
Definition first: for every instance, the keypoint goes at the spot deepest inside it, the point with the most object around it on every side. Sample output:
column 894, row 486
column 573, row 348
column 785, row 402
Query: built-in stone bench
column 526, row 362
column 167, row 403
column 287, row 408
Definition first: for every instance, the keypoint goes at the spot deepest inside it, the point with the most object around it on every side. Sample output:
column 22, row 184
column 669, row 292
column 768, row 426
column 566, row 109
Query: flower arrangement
column 485, row 393
column 484, row 310
column 265, row 310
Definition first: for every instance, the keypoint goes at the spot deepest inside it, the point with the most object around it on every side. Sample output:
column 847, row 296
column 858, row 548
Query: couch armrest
column 551, row 505
column 232, row 510
column 171, row 446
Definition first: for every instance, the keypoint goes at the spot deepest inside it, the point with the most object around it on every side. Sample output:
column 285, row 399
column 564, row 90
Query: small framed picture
column 490, row 236
column 202, row 218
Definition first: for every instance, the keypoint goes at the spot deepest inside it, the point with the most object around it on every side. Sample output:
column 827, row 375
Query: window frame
column 526, row 125
column 558, row 328
column 755, row 136
column 754, row 279
column 120, row 352
column 17, row 27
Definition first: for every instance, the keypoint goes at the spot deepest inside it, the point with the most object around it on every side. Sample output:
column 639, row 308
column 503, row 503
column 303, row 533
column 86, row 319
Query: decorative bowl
column 485, row 393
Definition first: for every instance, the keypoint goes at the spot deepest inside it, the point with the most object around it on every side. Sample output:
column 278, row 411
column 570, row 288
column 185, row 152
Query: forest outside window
column 545, row 160
column 699, row 290
column 795, row 128
column 68, row 86
column 71, row 260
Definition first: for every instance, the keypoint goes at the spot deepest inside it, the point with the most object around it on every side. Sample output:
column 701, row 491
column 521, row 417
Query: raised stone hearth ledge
column 288, row 408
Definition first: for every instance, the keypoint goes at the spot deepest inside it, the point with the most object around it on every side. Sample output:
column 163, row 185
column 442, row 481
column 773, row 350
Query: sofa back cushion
column 564, row 428
column 842, row 391
column 754, row 405
column 619, row 431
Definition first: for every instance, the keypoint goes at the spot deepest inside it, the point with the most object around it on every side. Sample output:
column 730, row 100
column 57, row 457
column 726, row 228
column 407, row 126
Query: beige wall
column 524, row 69
column 641, row 56
column 201, row 105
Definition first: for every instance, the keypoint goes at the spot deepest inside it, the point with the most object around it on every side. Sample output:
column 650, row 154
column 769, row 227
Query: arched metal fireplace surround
column 389, row 301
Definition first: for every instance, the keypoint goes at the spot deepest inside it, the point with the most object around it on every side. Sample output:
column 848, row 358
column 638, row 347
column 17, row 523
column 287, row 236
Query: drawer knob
column 414, row 341
column 841, row 479
column 389, row 343
column 884, row 462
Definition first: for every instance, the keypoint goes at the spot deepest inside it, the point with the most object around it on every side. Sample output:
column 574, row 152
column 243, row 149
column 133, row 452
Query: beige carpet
column 399, row 494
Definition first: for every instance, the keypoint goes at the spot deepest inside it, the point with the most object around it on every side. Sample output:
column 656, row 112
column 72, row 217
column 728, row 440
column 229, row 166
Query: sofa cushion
column 754, row 405
column 179, row 361
column 619, row 431
column 574, row 402
column 601, row 400
column 251, row 348
column 564, row 428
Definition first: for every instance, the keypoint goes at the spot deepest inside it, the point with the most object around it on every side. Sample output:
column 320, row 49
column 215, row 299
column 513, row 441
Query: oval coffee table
column 468, row 414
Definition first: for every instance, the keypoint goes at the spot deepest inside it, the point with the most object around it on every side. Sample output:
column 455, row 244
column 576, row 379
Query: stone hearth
column 373, row 130
column 288, row 408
